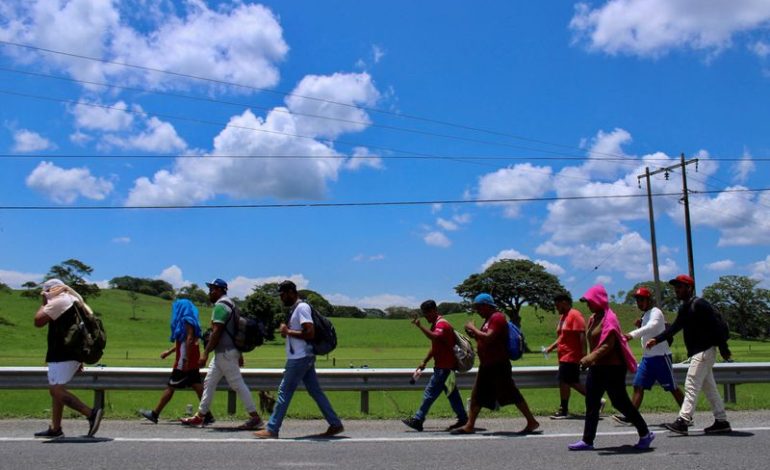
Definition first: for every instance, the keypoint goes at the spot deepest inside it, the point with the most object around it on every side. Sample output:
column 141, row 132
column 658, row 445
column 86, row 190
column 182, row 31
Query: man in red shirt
column 571, row 347
column 442, row 337
column 494, row 385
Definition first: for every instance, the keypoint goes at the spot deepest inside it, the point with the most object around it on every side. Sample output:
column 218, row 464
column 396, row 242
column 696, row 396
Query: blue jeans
column 297, row 370
column 434, row 389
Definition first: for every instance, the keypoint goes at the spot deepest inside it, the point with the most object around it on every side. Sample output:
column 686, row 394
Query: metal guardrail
column 363, row 380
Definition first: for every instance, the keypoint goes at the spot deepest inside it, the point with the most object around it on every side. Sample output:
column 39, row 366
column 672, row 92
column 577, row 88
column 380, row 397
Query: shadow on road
column 78, row 440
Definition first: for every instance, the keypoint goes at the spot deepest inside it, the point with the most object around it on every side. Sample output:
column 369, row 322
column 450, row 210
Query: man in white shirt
column 656, row 364
column 58, row 312
column 300, row 365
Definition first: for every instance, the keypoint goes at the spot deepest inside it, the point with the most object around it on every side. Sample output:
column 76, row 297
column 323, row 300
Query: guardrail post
column 231, row 402
column 365, row 399
column 98, row 398
column 730, row 395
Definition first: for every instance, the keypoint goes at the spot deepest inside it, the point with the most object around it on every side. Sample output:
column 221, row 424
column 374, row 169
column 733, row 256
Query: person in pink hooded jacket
column 609, row 360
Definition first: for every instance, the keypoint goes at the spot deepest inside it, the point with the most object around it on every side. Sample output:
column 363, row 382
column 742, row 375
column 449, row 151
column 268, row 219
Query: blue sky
column 561, row 99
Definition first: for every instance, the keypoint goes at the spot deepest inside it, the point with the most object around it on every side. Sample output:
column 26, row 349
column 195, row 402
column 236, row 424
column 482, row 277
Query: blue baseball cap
column 217, row 283
column 484, row 299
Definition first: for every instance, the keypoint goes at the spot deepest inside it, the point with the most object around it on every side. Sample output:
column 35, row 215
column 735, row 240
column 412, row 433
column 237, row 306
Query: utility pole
column 688, row 230
column 652, row 236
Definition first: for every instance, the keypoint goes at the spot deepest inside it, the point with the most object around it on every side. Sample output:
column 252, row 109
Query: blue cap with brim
column 217, row 283
column 484, row 299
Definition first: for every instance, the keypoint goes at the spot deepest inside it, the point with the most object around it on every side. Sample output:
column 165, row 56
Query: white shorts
column 60, row 373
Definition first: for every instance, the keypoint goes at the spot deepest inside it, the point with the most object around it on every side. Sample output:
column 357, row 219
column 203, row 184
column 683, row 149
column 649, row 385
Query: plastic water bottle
column 415, row 375
column 544, row 351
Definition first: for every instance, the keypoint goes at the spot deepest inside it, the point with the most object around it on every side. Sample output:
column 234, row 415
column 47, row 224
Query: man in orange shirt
column 570, row 345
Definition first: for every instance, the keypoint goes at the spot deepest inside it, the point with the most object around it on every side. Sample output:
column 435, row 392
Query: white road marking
column 349, row 440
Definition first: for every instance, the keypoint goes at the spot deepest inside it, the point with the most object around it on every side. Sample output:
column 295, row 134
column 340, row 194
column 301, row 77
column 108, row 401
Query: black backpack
column 85, row 338
column 325, row 339
column 249, row 331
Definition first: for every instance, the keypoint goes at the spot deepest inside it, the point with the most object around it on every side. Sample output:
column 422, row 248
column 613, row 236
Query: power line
column 354, row 204
column 283, row 93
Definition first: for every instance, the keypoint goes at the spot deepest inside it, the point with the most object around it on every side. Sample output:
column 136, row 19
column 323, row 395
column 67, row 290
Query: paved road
column 383, row 445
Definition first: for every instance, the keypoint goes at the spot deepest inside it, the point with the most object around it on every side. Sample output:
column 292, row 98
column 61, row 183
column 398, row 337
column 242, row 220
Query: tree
column 154, row 287
column 134, row 298
column 4, row 288
column 31, row 289
column 264, row 303
column 317, row 301
column 745, row 306
column 72, row 273
column 513, row 283
column 195, row 294
column 445, row 308
column 668, row 300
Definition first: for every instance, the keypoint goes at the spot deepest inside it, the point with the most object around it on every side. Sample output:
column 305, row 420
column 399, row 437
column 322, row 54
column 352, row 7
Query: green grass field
column 376, row 343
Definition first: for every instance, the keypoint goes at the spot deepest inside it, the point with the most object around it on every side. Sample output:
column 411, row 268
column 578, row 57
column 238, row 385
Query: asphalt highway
column 384, row 444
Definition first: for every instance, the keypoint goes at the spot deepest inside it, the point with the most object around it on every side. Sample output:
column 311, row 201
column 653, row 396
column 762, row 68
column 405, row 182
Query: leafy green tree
column 349, row 311
column 154, row 287
column 445, row 308
column 745, row 306
column 513, row 283
column 196, row 295
column 4, row 288
column 397, row 313
column 317, row 301
column 667, row 295
column 72, row 272
column 31, row 289
column 264, row 303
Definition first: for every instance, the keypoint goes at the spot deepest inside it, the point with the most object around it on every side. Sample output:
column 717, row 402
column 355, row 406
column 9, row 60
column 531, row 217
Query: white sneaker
column 602, row 405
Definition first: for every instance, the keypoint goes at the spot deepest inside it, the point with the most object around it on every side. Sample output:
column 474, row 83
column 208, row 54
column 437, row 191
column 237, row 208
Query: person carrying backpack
column 704, row 333
column 227, row 361
column 300, row 365
column 58, row 311
column 494, row 383
column 442, row 338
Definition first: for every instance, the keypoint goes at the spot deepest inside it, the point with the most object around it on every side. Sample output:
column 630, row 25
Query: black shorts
column 184, row 378
column 569, row 372
column 495, row 387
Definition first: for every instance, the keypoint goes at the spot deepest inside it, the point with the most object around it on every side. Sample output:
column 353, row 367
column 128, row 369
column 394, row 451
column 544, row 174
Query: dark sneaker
column 333, row 431
column 94, row 420
column 150, row 415
column 679, row 426
column 620, row 419
column 209, row 419
column 561, row 413
column 413, row 423
column 50, row 433
column 719, row 426
column 460, row 423
column 194, row 420
column 254, row 423
column 645, row 442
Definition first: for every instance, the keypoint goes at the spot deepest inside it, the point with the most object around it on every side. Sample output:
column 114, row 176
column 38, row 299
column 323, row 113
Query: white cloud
column 447, row 225
column 361, row 257
column 742, row 219
column 173, row 275
column 239, row 43
column 380, row 301
column 760, row 48
column 64, row 186
column 195, row 180
column 108, row 117
column 328, row 91
column 651, row 28
column 511, row 253
column 362, row 157
column 158, row 136
column 604, row 280
column 28, row 141
column 437, row 239
column 743, row 168
column 721, row 265
column 14, row 279
column 121, row 240
column 377, row 53
column 241, row 286
column 761, row 271
column 519, row 181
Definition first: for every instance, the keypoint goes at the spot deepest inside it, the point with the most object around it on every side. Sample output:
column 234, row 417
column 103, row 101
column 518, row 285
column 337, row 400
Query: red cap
column 643, row 292
column 682, row 279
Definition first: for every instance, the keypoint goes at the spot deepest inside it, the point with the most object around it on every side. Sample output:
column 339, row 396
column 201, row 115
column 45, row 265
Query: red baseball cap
column 682, row 279
column 643, row 292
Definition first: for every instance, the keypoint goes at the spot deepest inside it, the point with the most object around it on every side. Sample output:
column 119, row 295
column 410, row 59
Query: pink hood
column 598, row 295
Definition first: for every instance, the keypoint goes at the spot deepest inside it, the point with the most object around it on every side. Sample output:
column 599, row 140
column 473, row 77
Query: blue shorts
column 655, row 369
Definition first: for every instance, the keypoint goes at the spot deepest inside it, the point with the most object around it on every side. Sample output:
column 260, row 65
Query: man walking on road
column 570, row 345
column 442, row 338
column 58, row 312
column 657, row 363
column 494, row 385
column 227, row 360
column 300, row 365
column 704, row 332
